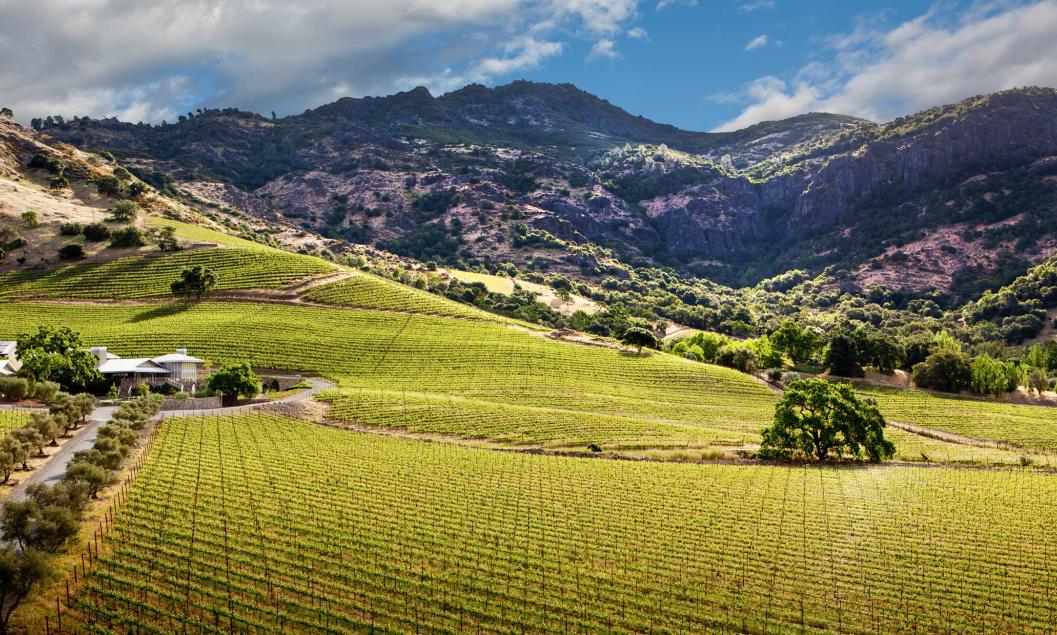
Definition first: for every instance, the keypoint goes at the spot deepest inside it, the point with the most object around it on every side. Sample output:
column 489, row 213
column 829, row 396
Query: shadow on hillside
column 161, row 311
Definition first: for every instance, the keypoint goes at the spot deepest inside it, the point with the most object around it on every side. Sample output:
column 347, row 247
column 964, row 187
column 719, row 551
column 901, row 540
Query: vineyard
column 1017, row 424
column 368, row 291
column 269, row 525
column 375, row 350
column 150, row 275
column 11, row 419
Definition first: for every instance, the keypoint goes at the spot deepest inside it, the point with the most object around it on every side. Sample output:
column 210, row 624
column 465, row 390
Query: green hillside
column 147, row 276
column 373, row 292
column 1017, row 424
column 265, row 524
column 384, row 351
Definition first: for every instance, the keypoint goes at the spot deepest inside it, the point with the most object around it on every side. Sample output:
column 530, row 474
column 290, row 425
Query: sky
column 697, row 64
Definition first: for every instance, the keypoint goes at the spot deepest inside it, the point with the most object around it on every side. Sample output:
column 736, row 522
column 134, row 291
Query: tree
column 19, row 572
column 10, row 446
column 166, row 239
column 800, row 344
column 72, row 251
column 108, row 185
column 885, row 354
column 1038, row 380
column 10, row 114
column 843, row 355
column 7, row 465
column 124, row 211
column 57, row 354
column 639, row 338
column 94, row 476
column 817, row 418
column 194, row 281
column 946, row 370
column 235, row 381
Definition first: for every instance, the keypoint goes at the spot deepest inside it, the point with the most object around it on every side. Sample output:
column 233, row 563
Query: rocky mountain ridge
column 548, row 176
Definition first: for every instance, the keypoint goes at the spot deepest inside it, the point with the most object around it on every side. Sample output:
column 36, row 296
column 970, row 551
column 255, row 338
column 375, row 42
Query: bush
column 108, row 185
column 127, row 237
column 45, row 390
column 58, row 182
column 789, row 377
column 96, row 232
column 72, row 251
column 71, row 229
column 181, row 396
column 124, row 211
column 14, row 388
column 946, row 370
column 30, row 220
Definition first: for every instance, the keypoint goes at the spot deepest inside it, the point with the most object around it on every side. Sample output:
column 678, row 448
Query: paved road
column 55, row 468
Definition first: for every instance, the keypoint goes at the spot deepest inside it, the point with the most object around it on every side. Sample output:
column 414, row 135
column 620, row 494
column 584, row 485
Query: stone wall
column 197, row 403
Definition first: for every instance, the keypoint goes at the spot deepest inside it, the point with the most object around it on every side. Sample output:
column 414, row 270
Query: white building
column 179, row 369
column 9, row 363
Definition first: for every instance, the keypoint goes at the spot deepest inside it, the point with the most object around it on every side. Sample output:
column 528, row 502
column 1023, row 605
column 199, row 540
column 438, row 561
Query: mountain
column 958, row 198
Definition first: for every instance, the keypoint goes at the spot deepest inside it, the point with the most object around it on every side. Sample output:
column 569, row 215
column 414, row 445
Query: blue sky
column 694, row 53
column 701, row 65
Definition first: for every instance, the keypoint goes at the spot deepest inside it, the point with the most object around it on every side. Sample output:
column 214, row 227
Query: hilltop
column 456, row 177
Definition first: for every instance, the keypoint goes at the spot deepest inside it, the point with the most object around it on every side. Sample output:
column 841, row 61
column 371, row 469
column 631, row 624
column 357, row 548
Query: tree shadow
column 161, row 311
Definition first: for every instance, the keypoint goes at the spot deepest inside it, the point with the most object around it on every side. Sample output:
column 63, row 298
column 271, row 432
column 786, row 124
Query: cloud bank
column 150, row 59
column 935, row 59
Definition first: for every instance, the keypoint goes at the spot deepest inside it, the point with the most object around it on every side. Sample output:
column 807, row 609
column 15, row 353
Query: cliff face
column 474, row 165
column 992, row 133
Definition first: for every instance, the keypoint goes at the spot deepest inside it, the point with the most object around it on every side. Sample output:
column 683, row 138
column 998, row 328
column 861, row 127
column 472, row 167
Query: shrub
column 72, row 251
column 30, row 220
column 96, row 232
column 14, row 388
column 71, row 229
column 108, row 185
column 58, row 182
column 45, row 390
column 181, row 396
column 124, row 211
column 127, row 237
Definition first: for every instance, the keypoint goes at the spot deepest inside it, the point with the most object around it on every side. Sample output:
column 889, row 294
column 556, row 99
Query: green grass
column 265, row 524
column 199, row 234
column 369, row 291
column 381, row 351
column 147, row 276
column 1018, row 424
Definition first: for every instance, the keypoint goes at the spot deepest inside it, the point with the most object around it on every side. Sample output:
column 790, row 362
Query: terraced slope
column 271, row 525
column 373, row 292
column 1018, row 424
column 147, row 276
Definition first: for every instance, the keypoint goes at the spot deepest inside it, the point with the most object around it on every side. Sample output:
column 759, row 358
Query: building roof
column 172, row 358
column 5, row 368
column 120, row 366
column 7, row 347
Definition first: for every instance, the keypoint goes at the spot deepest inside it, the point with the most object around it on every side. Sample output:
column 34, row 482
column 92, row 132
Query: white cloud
column 638, row 33
column 603, row 48
column 664, row 4
column 758, row 5
column 756, row 42
column 930, row 60
column 150, row 58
